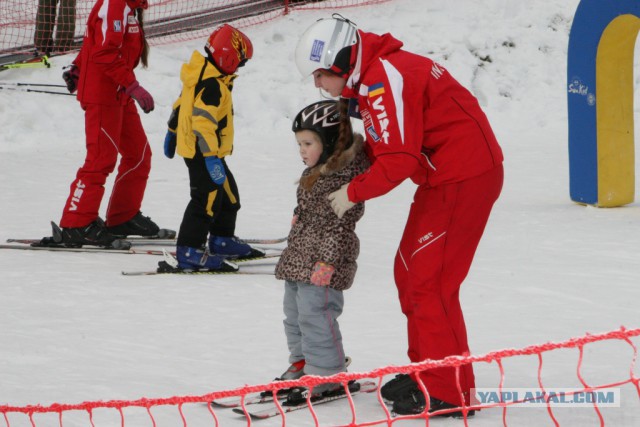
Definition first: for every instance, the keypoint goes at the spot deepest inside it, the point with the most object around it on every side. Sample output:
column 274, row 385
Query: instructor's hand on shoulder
column 142, row 97
column 340, row 202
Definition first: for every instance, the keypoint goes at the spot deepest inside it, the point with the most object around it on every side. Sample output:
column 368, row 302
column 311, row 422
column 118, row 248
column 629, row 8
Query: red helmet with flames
column 228, row 48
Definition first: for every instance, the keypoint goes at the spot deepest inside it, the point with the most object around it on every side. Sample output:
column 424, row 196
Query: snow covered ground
column 73, row 329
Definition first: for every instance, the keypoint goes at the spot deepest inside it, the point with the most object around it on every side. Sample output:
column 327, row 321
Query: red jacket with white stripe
column 420, row 123
column 111, row 49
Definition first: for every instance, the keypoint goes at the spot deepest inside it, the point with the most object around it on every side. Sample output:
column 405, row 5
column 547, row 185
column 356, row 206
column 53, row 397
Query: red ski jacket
column 111, row 49
column 420, row 123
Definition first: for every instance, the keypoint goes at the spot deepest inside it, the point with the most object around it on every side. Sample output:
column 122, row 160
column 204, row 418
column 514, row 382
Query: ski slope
column 73, row 329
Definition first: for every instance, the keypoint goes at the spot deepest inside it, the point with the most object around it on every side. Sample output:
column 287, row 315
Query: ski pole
column 30, row 84
column 21, row 89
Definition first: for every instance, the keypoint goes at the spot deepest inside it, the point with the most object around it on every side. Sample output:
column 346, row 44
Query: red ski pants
column 443, row 230
column 110, row 130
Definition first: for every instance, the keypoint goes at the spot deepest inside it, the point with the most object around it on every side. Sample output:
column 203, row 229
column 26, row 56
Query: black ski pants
column 212, row 209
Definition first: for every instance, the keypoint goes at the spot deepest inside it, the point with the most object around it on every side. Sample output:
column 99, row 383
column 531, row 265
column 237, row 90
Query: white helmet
column 320, row 44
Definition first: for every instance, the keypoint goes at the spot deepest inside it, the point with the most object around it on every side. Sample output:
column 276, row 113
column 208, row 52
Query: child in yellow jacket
column 201, row 131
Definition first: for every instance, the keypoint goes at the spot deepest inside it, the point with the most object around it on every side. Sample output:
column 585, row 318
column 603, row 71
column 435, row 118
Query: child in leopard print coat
column 320, row 259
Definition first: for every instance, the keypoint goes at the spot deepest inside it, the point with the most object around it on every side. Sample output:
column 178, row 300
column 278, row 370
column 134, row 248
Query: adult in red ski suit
column 421, row 124
column 103, row 74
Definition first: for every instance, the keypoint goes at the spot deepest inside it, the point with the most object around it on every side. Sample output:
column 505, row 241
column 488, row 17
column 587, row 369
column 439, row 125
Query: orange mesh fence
column 349, row 406
column 55, row 26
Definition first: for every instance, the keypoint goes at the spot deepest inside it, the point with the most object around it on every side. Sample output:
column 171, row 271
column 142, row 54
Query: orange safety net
column 377, row 375
column 57, row 26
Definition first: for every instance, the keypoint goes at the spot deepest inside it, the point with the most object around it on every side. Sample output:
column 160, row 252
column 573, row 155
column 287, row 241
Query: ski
column 170, row 266
column 143, row 241
column 165, row 268
column 96, row 249
column 24, row 61
column 262, row 397
column 274, row 411
column 163, row 234
column 56, row 241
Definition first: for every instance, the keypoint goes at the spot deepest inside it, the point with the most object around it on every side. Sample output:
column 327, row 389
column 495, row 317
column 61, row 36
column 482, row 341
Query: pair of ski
column 242, row 265
column 134, row 245
column 230, row 266
column 266, row 407
column 119, row 245
column 130, row 245
column 283, row 406
column 135, row 249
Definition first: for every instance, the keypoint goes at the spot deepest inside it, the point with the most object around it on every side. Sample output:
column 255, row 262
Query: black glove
column 71, row 77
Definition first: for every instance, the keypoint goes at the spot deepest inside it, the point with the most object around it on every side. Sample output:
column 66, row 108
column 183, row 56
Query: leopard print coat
column 322, row 249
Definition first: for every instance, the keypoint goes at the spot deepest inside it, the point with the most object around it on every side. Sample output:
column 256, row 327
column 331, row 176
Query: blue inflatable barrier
column 600, row 102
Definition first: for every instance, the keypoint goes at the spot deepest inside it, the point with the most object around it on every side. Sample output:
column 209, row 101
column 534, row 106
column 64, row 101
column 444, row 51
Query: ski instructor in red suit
column 421, row 124
column 102, row 73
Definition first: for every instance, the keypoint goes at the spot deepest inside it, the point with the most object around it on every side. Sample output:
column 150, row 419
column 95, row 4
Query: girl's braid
column 144, row 57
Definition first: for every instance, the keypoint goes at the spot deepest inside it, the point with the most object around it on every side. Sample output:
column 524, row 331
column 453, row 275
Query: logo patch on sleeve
column 117, row 26
column 372, row 133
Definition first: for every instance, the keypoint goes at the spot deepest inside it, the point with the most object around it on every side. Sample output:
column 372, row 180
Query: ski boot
column 95, row 234
column 233, row 248
column 293, row 372
column 198, row 259
column 414, row 403
column 139, row 225
column 399, row 386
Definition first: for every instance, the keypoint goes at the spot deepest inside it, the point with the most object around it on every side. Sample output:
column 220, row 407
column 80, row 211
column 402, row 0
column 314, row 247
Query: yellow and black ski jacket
column 203, row 114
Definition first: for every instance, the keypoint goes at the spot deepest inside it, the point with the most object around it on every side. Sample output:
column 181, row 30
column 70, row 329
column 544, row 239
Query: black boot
column 139, row 225
column 94, row 234
column 398, row 387
column 414, row 403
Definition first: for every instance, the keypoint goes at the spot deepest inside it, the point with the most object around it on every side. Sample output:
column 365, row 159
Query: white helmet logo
column 321, row 42
column 316, row 50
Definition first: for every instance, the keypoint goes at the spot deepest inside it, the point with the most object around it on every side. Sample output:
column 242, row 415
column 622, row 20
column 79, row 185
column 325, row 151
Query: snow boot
column 139, row 225
column 232, row 247
column 199, row 259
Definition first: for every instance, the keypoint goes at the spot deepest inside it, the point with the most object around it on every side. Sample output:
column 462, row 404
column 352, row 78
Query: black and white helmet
column 320, row 44
column 323, row 118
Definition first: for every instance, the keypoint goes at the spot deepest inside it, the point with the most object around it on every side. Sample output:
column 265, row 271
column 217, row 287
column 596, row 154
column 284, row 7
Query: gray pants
column 312, row 329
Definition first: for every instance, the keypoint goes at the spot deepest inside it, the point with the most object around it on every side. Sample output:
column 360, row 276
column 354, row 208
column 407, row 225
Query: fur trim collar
column 345, row 158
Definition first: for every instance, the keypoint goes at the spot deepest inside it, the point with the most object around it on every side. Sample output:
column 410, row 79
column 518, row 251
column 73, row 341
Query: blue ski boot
column 199, row 259
column 233, row 248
